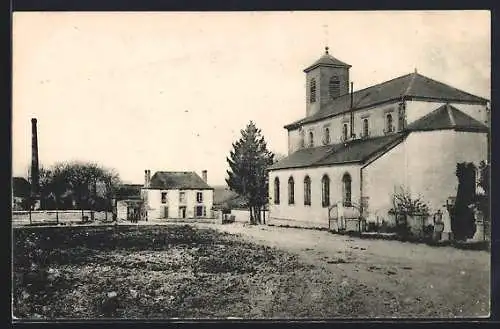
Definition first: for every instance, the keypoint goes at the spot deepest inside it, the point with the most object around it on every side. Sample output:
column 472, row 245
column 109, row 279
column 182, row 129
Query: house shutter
column 194, row 213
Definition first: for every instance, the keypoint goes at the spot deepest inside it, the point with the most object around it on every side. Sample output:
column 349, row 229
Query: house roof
column 447, row 117
column 129, row 191
column 326, row 60
column 20, row 187
column 355, row 151
column 168, row 180
column 409, row 86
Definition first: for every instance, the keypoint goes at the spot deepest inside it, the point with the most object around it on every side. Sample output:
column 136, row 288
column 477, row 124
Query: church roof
column 409, row 86
column 173, row 180
column 447, row 117
column 356, row 151
column 326, row 60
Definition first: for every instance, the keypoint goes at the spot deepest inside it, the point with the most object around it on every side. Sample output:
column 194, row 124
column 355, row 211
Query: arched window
column 346, row 190
column 326, row 139
column 388, row 123
column 325, row 189
column 276, row 190
column 311, row 139
column 291, row 191
column 312, row 91
column 334, row 87
column 302, row 139
column 365, row 128
column 344, row 131
column 307, row 191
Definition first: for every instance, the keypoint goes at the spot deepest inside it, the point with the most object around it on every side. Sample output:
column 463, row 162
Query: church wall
column 418, row 109
column 314, row 215
column 293, row 140
column 381, row 178
column 376, row 124
column 423, row 164
column 326, row 73
column 312, row 108
column 432, row 162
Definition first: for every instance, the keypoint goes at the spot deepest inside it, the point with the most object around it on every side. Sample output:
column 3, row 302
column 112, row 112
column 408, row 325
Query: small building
column 130, row 209
column 129, row 204
column 177, row 195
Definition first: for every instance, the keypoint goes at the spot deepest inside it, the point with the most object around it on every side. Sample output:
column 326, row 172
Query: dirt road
column 458, row 281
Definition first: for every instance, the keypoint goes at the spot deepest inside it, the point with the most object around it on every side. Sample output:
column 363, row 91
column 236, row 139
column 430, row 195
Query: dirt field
column 179, row 271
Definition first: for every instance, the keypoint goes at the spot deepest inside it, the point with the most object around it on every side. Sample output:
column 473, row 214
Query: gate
column 345, row 218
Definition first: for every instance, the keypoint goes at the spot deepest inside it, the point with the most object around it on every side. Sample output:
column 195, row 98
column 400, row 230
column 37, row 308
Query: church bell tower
column 326, row 79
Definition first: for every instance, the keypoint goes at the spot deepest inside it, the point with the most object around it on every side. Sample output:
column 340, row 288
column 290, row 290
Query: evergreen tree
column 462, row 219
column 248, row 162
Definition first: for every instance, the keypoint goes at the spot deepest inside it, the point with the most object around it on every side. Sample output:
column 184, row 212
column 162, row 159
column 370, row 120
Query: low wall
column 243, row 215
column 23, row 217
column 295, row 223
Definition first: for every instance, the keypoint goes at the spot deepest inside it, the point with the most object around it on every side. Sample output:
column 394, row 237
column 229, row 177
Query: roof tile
column 178, row 180
column 447, row 117
column 354, row 151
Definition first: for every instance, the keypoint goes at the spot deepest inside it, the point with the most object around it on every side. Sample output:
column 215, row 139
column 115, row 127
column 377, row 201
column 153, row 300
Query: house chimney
column 147, row 178
column 35, row 173
column 204, row 175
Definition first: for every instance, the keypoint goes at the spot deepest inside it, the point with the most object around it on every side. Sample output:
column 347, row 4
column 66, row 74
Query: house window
column 346, row 190
column 302, row 139
column 199, row 211
column 307, row 191
column 365, row 127
column 163, row 197
column 326, row 139
column 276, row 190
column 311, row 139
column 334, row 87
column 325, row 189
column 182, row 197
column 312, row 91
column 388, row 123
column 344, row 131
column 291, row 191
column 199, row 197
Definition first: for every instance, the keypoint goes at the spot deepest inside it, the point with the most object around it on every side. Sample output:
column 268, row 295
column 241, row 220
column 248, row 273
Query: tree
column 78, row 180
column 462, row 216
column 248, row 162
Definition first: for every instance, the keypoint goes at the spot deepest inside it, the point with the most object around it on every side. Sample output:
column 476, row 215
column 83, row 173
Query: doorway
column 182, row 212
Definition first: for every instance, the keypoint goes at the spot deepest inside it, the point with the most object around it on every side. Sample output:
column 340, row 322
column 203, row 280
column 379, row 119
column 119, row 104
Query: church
column 354, row 149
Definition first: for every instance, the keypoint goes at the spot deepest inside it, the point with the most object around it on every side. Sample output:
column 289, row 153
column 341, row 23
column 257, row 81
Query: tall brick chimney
column 147, row 178
column 35, row 170
column 204, row 175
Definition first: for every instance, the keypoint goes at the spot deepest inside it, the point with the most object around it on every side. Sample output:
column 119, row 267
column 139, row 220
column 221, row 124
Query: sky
column 171, row 91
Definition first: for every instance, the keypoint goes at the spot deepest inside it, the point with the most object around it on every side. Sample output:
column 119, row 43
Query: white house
column 172, row 194
column 355, row 149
